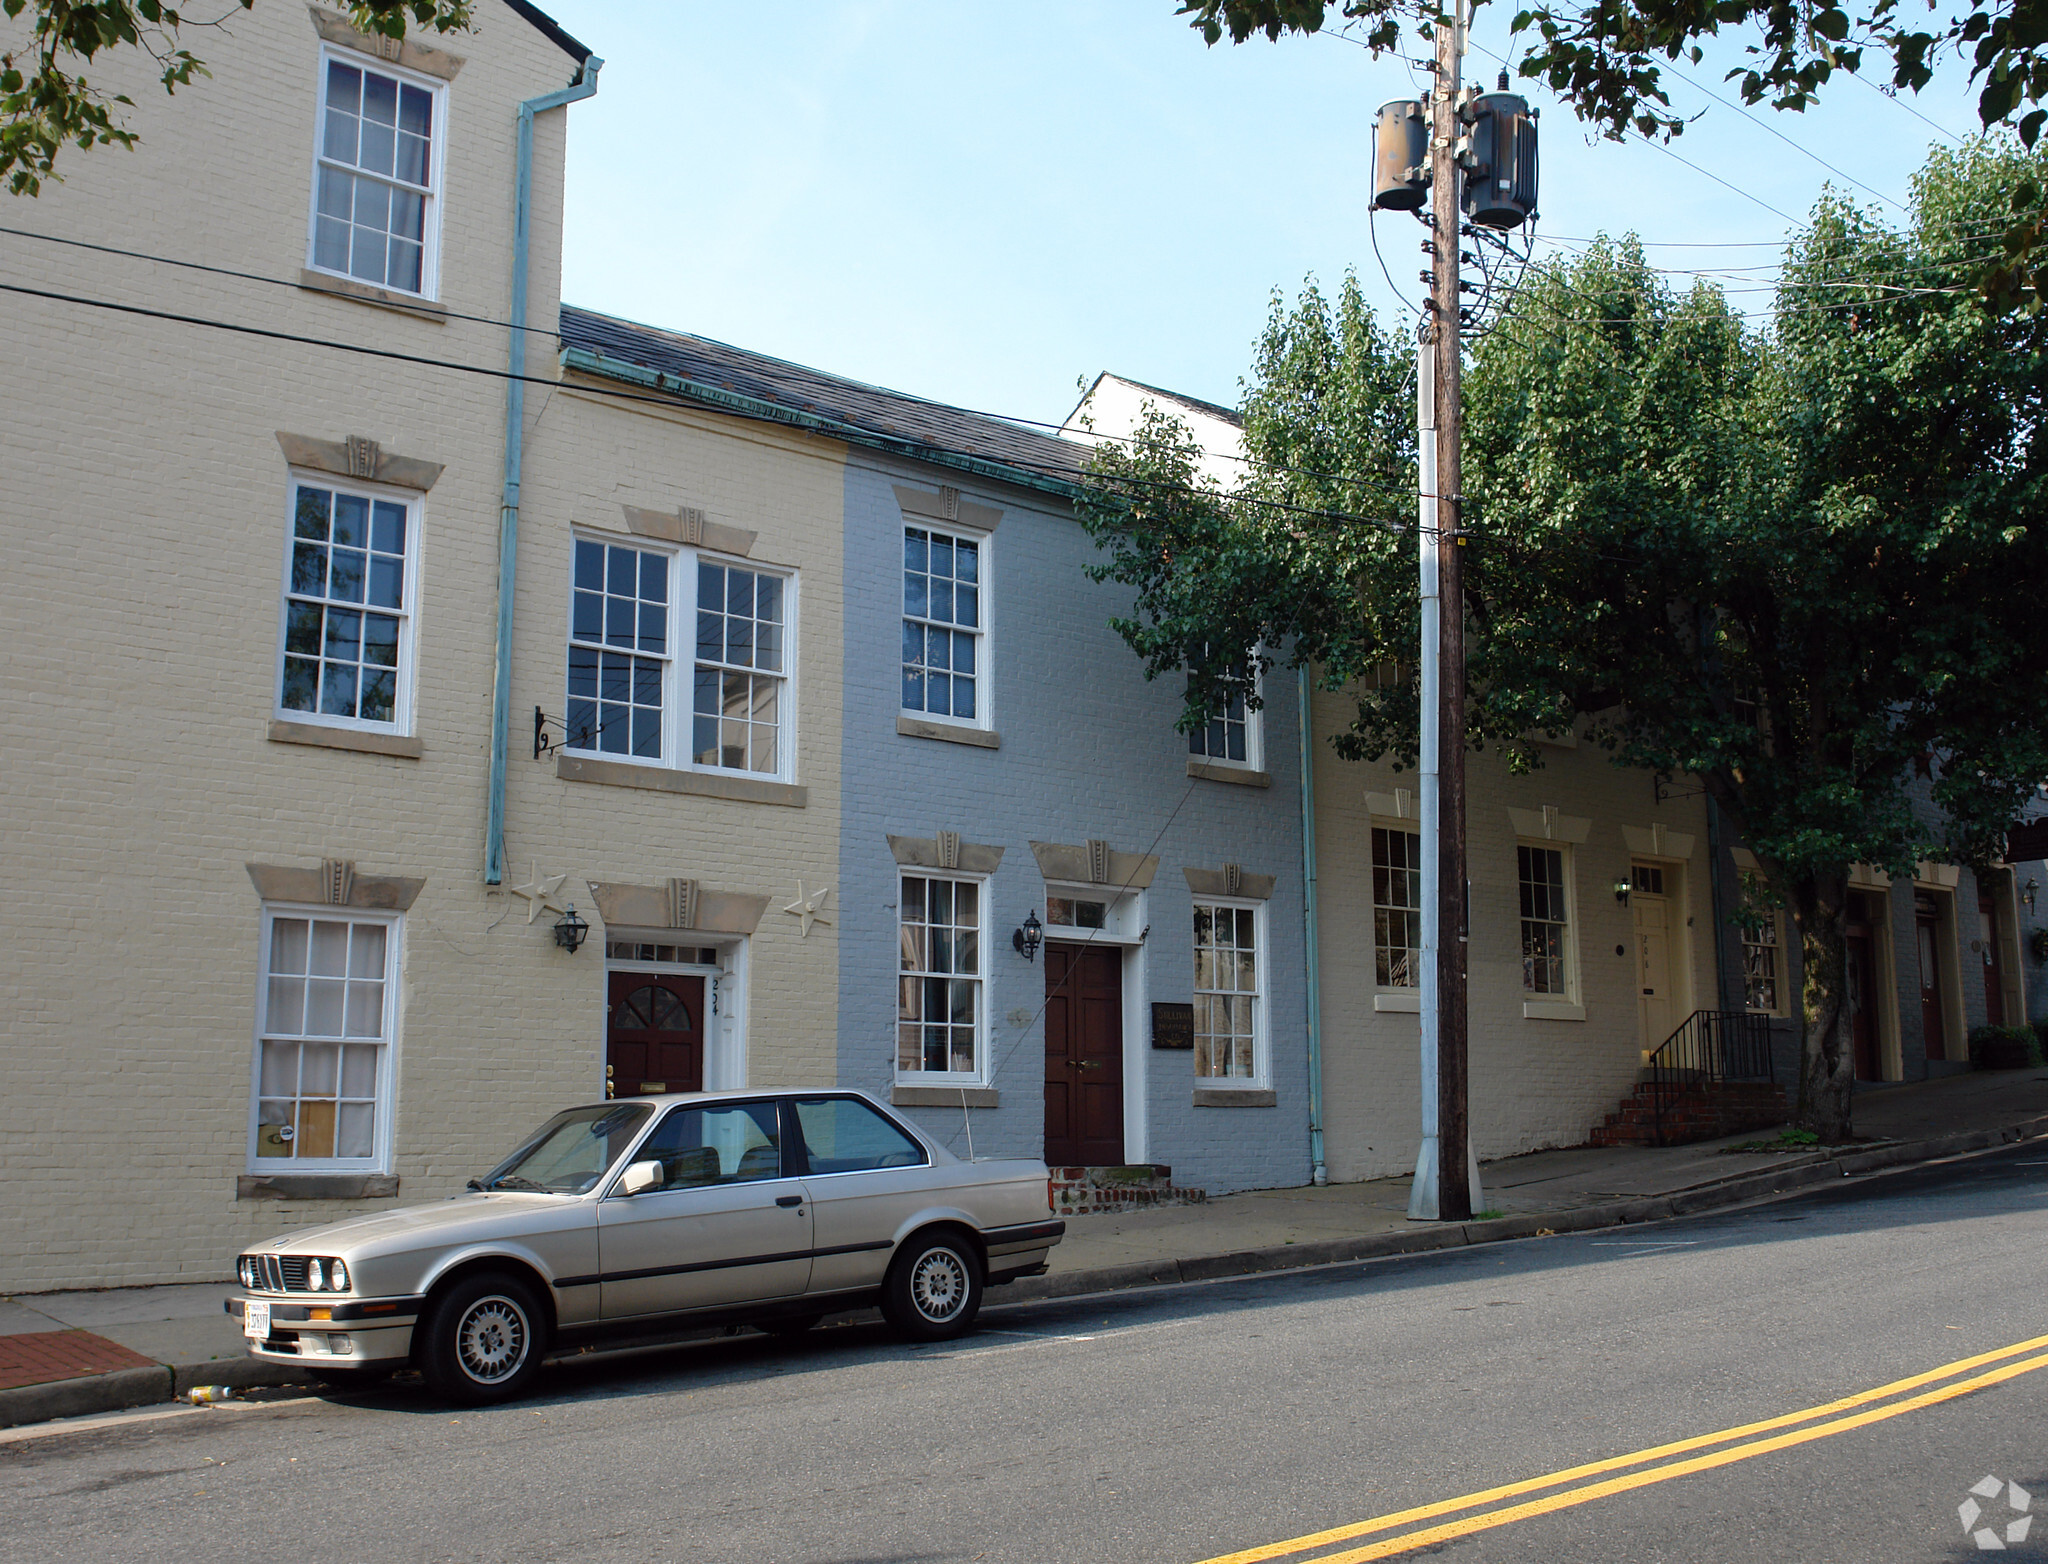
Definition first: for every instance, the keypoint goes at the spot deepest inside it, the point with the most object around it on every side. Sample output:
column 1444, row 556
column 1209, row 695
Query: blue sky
column 983, row 202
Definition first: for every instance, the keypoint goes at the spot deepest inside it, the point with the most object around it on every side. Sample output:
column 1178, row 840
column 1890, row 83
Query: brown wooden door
column 1863, row 996
column 1927, row 942
column 1994, row 972
column 654, row 1036
column 1084, row 1056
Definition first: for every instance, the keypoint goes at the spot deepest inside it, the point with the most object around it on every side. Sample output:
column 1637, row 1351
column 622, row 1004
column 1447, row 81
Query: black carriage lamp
column 2028, row 891
column 1027, row 939
column 1621, row 890
column 570, row 930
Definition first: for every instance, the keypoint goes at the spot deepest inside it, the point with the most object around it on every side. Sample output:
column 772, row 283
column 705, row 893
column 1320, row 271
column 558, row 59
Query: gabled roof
column 1229, row 415
column 551, row 29
column 758, row 386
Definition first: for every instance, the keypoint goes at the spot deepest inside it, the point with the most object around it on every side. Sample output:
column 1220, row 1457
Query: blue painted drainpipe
column 584, row 86
column 1319, row 1172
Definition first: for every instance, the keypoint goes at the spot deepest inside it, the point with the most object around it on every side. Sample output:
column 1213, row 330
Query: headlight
column 247, row 1270
column 316, row 1276
column 337, row 1276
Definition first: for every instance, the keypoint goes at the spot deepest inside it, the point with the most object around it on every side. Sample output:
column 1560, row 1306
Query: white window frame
column 402, row 709
column 1261, row 1078
column 430, row 222
column 678, row 692
column 1570, row 961
column 983, row 1033
column 1254, row 737
column 1755, row 893
column 984, row 633
column 379, row 1161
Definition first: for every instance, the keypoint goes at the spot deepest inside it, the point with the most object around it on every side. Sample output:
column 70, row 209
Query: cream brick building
column 258, row 972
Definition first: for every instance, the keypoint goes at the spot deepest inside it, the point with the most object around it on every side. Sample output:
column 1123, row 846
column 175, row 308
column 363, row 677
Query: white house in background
column 1114, row 406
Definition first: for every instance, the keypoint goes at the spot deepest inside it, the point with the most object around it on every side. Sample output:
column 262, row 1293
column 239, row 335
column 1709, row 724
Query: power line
column 1902, row 103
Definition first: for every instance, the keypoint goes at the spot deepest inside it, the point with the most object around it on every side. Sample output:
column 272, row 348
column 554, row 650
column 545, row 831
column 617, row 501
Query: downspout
column 584, row 86
column 1320, row 1173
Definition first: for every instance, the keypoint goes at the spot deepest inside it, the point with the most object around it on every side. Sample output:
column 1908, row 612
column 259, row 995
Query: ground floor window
column 938, row 978
column 1546, row 921
column 322, row 1067
column 1396, row 908
column 1228, row 1010
column 1762, row 964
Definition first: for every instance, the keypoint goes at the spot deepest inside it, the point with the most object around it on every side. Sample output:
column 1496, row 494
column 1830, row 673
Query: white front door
column 1656, row 1000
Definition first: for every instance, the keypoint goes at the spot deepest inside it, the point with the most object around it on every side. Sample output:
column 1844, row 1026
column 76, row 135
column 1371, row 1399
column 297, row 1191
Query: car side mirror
column 641, row 1175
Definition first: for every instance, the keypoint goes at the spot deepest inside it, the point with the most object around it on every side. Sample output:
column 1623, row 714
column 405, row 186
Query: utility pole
column 1421, row 152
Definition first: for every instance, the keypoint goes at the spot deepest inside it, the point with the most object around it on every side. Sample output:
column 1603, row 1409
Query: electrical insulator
column 1400, row 156
column 1500, row 189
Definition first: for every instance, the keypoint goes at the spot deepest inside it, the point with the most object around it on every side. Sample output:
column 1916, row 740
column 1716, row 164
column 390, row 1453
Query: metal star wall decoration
column 806, row 907
column 541, row 894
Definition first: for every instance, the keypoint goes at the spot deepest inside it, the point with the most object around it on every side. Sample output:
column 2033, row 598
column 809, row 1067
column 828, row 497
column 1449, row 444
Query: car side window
column 701, row 1147
column 844, row 1136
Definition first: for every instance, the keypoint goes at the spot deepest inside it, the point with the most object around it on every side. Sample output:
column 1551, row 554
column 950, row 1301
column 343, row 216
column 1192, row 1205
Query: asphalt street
column 1203, row 1422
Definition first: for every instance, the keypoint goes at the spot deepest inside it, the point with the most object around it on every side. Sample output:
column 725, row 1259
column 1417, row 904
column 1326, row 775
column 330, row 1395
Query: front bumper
column 343, row 1333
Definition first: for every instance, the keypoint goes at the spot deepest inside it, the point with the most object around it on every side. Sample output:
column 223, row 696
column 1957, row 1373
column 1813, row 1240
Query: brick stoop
column 1694, row 1113
column 1084, row 1191
column 38, row 1357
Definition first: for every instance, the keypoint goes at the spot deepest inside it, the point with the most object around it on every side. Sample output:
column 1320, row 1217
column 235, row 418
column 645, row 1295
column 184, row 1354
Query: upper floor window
column 1231, row 735
column 943, row 625
column 1396, row 908
column 1229, row 1000
column 629, row 609
column 1546, row 921
column 376, row 182
column 348, row 609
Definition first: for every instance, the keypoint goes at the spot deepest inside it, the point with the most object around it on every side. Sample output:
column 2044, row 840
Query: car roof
column 751, row 1094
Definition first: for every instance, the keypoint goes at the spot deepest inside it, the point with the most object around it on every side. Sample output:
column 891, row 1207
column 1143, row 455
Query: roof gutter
column 725, row 401
column 584, row 86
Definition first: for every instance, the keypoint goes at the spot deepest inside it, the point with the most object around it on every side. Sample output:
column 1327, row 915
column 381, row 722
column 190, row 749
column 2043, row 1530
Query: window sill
column 1409, row 1004
column 947, row 733
column 363, row 293
column 943, row 1096
column 316, row 1186
column 662, row 779
column 404, row 746
column 1552, row 1010
column 1243, row 776
column 1244, row 1097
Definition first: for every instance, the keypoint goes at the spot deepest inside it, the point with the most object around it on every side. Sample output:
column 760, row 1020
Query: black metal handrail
column 1709, row 1047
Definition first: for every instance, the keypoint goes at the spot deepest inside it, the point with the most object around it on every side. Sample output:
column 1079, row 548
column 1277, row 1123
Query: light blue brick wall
column 1088, row 750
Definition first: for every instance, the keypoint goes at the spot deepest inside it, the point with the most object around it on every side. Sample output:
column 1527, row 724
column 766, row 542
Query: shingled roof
column 755, row 385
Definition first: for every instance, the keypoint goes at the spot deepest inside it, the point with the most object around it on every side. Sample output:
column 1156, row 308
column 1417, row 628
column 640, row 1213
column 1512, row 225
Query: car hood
column 470, row 1216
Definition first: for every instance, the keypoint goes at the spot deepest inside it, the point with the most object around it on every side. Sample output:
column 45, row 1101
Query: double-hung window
column 939, row 1003
column 1231, row 735
column 327, row 1014
column 1396, row 908
column 1546, row 921
column 376, row 183
column 634, row 614
column 350, row 587
column 1762, row 964
column 1230, row 1016
column 943, row 626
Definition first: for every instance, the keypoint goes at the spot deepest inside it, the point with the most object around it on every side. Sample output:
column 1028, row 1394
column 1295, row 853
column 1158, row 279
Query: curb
column 134, row 1387
column 1806, row 1174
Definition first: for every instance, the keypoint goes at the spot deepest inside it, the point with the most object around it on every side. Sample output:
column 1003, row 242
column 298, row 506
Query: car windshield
column 570, row 1153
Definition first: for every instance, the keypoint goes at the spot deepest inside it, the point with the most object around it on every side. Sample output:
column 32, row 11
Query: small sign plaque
column 1173, row 1026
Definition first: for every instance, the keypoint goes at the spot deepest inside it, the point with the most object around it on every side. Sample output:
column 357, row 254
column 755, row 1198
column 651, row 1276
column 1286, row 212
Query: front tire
column 933, row 1290
column 482, row 1340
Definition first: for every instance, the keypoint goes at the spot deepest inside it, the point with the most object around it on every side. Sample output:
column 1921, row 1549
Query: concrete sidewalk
column 70, row 1353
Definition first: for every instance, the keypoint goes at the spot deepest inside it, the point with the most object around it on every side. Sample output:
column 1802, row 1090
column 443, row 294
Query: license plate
column 255, row 1320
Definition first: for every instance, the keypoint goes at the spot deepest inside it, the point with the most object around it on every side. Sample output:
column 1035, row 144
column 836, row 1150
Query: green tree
column 46, row 102
column 1804, row 565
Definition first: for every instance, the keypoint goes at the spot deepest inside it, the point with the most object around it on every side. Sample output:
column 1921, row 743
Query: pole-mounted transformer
column 1400, row 156
column 1499, row 156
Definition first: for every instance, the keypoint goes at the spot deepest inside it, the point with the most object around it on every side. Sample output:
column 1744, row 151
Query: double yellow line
column 1799, row 1428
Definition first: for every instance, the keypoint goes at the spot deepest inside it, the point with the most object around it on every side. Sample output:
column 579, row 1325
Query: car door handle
column 789, row 1200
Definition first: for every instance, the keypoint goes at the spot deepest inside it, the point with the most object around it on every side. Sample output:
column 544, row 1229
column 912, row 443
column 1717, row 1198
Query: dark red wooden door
column 1994, row 973
column 1084, row 1056
column 654, row 1038
column 1927, row 942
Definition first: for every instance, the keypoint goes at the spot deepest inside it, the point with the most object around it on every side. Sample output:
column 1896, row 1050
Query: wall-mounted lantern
column 1026, row 939
column 2028, row 892
column 570, row 930
column 1621, row 890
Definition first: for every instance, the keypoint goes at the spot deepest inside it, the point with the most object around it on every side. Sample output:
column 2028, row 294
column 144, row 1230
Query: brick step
column 1087, row 1191
column 1692, row 1113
